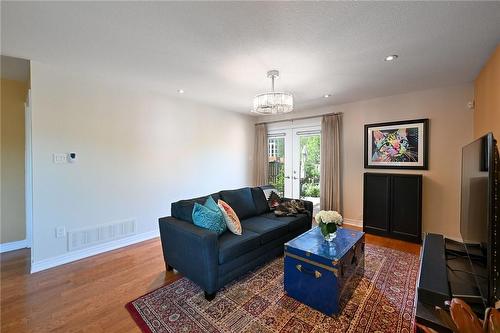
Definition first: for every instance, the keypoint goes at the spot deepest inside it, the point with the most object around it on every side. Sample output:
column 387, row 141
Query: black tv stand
column 445, row 272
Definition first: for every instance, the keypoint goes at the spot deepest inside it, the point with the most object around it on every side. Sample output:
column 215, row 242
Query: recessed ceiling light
column 180, row 91
column 391, row 57
column 327, row 95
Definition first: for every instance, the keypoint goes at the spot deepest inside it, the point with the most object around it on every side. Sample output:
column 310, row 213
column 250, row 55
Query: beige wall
column 13, row 96
column 450, row 129
column 487, row 97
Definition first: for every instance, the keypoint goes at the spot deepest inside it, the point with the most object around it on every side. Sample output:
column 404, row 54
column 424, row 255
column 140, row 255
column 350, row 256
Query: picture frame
column 397, row 145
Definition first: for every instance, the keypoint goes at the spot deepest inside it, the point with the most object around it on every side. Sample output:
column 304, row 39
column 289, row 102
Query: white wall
column 450, row 129
column 138, row 151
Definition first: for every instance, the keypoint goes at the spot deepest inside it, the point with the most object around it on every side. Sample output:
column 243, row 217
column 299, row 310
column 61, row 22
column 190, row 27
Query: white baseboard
column 91, row 251
column 12, row 246
column 353, row 222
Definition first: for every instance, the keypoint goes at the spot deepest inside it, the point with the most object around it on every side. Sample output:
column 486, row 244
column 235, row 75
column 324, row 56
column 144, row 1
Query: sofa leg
column 169, row 268
column 209, row 297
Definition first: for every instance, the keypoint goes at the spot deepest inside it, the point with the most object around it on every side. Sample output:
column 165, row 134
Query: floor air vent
column 83, row 238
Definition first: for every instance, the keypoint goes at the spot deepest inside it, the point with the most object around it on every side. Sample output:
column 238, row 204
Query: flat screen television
column 479, row 224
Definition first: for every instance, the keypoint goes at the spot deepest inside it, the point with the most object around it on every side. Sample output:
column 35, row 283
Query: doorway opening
column 294, row 155
column 15, row 168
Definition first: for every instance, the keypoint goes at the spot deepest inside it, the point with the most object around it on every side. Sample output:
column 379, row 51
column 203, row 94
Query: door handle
column 295, row 177
column 287, row 177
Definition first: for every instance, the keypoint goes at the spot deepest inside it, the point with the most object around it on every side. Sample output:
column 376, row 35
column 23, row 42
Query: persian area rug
column 379, row 300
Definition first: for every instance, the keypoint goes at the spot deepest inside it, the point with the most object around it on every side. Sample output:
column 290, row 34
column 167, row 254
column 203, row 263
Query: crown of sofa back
column 246, row 202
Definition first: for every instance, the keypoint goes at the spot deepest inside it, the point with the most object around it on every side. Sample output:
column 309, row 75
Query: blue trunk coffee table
column 316, row 270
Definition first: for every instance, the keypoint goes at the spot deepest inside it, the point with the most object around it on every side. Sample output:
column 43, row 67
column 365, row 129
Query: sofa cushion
column 268, row 229
column 232, row 246
column 241, row 201
column 183, row 209
column 294, row 222
column 260, row 201
column 209, row 216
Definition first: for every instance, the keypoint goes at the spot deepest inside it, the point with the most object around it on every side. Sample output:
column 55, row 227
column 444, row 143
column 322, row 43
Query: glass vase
column 328, row 230
column 330, row 237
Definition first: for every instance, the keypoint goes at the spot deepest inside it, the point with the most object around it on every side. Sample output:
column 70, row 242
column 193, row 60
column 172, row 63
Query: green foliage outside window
column 279, row 181
column 277, row 166
column 310, row 150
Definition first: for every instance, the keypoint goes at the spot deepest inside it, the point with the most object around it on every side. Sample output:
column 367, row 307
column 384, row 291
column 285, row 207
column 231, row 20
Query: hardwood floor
column 89, row 295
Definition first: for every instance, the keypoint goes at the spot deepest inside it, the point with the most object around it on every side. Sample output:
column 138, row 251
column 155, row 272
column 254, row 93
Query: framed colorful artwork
column 397, row 145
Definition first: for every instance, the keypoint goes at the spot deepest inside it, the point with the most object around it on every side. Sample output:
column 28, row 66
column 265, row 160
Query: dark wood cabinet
column 392, row 205
column 376, row 203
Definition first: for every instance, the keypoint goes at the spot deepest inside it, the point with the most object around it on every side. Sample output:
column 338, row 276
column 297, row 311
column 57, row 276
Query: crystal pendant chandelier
column 273, row 102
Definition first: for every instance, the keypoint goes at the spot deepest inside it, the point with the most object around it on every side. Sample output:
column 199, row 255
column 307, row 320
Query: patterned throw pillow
column 268, row 190
column 232, row 220
column 211, row 204
column 209, row 216
column 274, row 200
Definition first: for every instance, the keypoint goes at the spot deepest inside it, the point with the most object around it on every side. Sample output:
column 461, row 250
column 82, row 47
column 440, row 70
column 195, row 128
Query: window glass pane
column 276, row 158
column 309, row 172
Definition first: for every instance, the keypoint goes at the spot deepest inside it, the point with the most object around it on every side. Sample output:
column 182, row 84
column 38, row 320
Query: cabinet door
column 406, row 207
column 376, row 203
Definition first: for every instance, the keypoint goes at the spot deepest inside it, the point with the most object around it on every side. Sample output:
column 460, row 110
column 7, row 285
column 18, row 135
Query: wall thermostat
column 72, row 157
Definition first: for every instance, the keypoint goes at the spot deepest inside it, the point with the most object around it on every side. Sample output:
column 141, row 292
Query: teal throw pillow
column 211, row 204
column 209, row 216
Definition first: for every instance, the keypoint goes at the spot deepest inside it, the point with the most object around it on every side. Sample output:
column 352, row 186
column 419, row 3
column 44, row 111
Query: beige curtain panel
column 330, row 181
column 260, row 158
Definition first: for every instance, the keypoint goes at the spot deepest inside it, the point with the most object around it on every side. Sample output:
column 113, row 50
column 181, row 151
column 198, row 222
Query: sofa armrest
column 191, row 250
column 307, row 204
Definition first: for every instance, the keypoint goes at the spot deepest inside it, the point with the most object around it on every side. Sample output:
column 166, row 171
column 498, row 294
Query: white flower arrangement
column 328, row 221
column 329, row 216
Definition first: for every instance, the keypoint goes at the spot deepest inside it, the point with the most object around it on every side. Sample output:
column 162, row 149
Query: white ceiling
column 219, row 52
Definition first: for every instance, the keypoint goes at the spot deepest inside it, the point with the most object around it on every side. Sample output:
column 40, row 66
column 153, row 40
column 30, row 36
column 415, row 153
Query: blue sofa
column 211, row 261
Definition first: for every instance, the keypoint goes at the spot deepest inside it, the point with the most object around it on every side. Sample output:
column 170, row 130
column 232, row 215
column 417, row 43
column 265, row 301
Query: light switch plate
column 60, row 158
column 60, row 232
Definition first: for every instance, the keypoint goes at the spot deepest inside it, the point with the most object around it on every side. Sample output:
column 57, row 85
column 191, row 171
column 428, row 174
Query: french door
column 294, row 162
